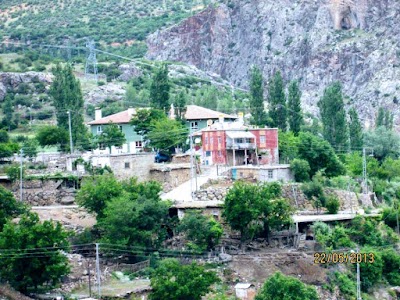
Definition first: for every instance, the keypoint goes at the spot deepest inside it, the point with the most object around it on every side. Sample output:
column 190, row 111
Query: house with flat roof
column 198, row 117
column 134, row 142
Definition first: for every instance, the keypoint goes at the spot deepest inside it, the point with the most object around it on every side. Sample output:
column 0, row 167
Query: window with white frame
column 219, row 140
column 99, row 129
column 138, row 144
column 270, row 174
column 127, row 165
column 262, row 139
column 211, row 140
column 206, row 140
column 194, row 125
column 101, row 146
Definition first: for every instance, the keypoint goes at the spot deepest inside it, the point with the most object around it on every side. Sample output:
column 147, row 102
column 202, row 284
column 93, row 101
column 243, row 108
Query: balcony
column 240, row 140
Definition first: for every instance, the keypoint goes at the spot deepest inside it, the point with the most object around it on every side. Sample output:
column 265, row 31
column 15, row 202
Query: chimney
column 131, row 111
column 221, row 119
column 97, row 113
column 240, row 118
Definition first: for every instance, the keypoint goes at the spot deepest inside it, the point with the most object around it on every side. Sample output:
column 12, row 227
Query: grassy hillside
column 122, row 25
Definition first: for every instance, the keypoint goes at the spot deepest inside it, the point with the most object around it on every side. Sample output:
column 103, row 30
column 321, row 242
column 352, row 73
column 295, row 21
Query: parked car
column 161, row 157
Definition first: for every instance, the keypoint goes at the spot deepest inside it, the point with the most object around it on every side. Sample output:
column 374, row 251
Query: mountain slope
column 353, row 41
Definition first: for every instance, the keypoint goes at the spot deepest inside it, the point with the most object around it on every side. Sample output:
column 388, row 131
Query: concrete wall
column 264, row 173
column 170, row 176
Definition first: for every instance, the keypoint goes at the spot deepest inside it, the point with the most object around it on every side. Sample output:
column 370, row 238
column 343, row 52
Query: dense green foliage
column 68, row 99
column 33, row 261
column 257, row 98
column 52, row 136
column 332, row 205
column 171, row 280
column 9, row 207
column 295, row 115
column 384, row 142
column 159, row 89
column 166, row 134
column 282, row 287
column 301, row 169
column 144, row 118
column 277, row 102
column 246, row 204
column 112, row 135
column 355, row 131
column 333, row 117
column 202, row 232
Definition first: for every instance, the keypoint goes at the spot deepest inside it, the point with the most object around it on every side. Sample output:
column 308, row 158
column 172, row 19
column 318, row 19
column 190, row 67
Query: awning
column 240, row 135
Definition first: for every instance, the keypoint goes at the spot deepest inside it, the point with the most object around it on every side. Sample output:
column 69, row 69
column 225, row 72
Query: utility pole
column 98, row 271
column 358, row 277
column 71, row 146
column 20, row 175
column 191, row 162
column 91, row 60
column 365, row 183
column 90, row 283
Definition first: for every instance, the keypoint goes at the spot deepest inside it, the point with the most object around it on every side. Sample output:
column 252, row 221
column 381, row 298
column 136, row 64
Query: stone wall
column 211, row 194
column 44, row 192
column 170, row 175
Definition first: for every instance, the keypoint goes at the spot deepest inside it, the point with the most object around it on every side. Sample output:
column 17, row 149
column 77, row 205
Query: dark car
column 161, row 157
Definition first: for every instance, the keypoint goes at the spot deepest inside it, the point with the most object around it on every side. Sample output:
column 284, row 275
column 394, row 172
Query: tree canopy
column 355, row 131
column 112, row 136
column 295, row 115
column 35, row 259
column 277, row 102
column 166, row 134
column 282, row 287
column 159, row 89
column 171, row 280
column 259, row 117
column 52, row 136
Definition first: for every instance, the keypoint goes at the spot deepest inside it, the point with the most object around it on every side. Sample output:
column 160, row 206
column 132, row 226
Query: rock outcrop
column 317, row 42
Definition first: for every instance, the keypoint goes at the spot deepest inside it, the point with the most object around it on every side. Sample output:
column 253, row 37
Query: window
column 239, row 141
column 219, row 153
column 211, row 140
column 138, row 144
column 127, row 165
column 219, row 140
column 262, row 139
column 194, row 125
column 270, row 174
column 248, row 141
column 208, row 153
column 99, row 129
column 101, row 146
column 206, row 141
column 120, row 127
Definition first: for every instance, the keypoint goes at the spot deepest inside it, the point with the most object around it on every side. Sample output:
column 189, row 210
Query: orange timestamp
column 343, row 258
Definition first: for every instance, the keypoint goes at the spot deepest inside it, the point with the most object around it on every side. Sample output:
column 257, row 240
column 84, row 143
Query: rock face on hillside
column 10, row 81
column 354, row 41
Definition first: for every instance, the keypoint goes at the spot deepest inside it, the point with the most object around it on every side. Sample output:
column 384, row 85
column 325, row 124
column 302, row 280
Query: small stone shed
column 245, row 291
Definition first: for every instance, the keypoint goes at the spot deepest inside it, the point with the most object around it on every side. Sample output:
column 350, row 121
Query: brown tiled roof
column 122, row 117
column 194, row 112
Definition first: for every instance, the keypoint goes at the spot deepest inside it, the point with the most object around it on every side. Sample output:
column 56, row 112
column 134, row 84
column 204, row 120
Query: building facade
column 234, row 144
column 198, row 118
column 134, row 142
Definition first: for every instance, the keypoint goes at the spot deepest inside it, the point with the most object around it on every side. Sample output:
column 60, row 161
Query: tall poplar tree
column 295, row 116
column 277, row 102
column 8, row 111
column 257, row 97
column 67, row 96
column 333, row 116
column 159, row 89
column 355, row 130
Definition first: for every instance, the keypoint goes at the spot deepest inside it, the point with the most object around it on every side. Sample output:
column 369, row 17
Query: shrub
column 332, row 204
column 301, row 170
column 314, row 189
column 391, row 266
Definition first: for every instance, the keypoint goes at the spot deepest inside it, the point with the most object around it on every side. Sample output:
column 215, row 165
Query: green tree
column 371, row 273
column 204, row 232
column 257, row 98
column 277, row 102
column 288, row 146
column 143, row 119
column 301, row 170
column 96, row 191
column 355, row 131
column 384, row 142
column 333, row 117
column 8, row 111
column 391, row 266
column 4, row 137
column 180, row 105
column 112, row 136
column 332, row 205
column 246, row 204
column 9, row 207
column 320, row 155
column 159, row 89
column 166, row 134
column 52, row 136
column 380, row 119
column 29, row 253
column 67, row 96
column 8, row 149
column 282, row 287
column 295, row 115
column 30, row 148
column 171, row 280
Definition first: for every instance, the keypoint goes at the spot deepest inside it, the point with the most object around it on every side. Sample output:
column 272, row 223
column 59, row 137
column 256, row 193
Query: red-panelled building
column 234, row 144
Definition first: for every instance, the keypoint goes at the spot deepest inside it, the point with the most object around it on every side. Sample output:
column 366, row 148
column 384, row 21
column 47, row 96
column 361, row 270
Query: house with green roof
column 134, row 142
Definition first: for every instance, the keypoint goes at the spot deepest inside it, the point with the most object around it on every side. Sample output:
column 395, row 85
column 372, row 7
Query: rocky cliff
column 316, row 41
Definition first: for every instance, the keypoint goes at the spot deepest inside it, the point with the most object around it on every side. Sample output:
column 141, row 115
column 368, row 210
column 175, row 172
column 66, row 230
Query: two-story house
column 134, row 141
column 197, row 117
column 234, row 144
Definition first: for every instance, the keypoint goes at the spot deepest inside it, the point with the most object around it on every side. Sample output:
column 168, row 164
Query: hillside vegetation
column 119, row 24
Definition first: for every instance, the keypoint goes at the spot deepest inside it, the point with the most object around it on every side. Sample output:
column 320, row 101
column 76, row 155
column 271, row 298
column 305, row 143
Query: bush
column 332, row 204
column 347, row 285
column 314, row 189
column 391, row 266
column 301, row 170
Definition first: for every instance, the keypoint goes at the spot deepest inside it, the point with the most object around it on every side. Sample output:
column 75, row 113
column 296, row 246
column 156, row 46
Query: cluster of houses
column 225, row 139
